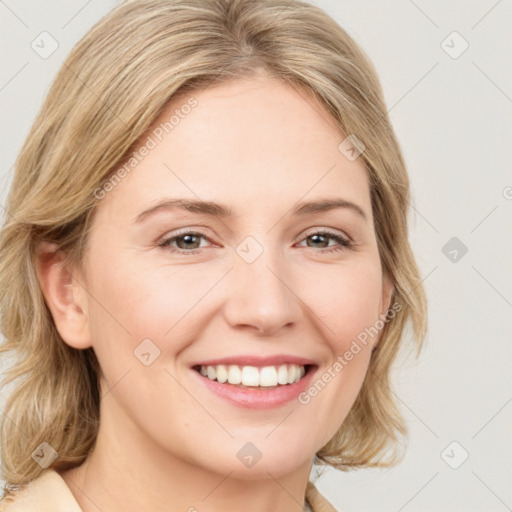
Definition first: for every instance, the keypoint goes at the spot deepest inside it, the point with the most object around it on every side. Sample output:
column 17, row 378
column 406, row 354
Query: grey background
column 452, row 117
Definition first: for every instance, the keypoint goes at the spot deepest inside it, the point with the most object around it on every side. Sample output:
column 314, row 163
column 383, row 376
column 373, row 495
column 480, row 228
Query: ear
column 65, row 297
column 387, row 294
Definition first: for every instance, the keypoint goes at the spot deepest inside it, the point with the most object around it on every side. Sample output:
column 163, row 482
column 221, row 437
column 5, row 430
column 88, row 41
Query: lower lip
column 258, row 398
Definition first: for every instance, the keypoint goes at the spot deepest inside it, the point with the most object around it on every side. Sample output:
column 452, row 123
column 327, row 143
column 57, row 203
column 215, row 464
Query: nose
column 262, row 295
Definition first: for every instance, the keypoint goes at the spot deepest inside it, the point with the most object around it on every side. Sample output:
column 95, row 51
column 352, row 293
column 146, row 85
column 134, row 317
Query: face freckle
column 263, row 282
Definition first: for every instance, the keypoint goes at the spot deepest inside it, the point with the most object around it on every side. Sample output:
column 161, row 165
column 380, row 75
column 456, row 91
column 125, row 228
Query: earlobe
column 64, row 296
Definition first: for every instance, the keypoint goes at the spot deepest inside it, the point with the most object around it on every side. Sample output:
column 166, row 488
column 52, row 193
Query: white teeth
column 250, row 376
column 211, row 372
column 222, row 373
column 267, row 376
column 234, row 374
column 291, row 374
column 282, row 374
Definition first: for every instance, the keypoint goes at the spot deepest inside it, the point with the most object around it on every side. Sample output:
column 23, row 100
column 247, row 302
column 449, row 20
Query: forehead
column 247, row 143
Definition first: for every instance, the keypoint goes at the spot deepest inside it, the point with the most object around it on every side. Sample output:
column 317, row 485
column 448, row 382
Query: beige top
column 50, row 493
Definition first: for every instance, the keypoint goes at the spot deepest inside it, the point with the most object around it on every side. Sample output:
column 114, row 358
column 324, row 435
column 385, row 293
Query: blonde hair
column 112, row 86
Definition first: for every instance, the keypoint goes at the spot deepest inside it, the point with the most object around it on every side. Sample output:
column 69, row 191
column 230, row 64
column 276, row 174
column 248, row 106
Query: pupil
column 316, row 237
column 187, row 239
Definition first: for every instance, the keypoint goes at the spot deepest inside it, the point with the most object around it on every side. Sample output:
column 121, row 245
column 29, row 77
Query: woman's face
column 259, row 285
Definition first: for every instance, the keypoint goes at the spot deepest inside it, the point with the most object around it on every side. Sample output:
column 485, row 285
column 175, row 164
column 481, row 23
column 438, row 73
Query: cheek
column 347, row 298
column 133, row 302
column 348, row 301
column 131, row 306
column 139, row 299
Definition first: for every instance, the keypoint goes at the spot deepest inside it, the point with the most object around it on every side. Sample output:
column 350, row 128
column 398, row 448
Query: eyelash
column 344, row 243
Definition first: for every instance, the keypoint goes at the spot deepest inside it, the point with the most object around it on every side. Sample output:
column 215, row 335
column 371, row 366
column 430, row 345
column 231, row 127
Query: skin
column 165, row 441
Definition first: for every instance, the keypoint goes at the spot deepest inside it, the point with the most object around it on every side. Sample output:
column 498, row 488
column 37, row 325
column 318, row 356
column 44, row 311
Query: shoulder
column 47, row 493
column 315, row 499
column 317, row 502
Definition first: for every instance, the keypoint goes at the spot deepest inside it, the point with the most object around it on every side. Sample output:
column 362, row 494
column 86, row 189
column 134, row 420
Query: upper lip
column 252, row 360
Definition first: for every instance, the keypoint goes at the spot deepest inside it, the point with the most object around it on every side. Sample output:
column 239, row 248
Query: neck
column 128, row 471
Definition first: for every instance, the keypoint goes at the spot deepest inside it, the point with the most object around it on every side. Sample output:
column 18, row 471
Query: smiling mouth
column 265, row 377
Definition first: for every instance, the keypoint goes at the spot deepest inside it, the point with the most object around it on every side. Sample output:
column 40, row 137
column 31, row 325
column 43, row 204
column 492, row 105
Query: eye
column 187, row 242
column 320, row 239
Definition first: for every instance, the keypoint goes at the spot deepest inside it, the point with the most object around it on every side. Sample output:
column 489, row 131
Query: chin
column 254, row 457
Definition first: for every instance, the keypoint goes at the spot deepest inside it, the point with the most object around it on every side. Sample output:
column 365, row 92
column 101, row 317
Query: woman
column 205, row 273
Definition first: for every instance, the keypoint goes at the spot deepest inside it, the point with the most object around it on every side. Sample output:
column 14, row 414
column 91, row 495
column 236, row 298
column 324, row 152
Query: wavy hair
column 112, row 86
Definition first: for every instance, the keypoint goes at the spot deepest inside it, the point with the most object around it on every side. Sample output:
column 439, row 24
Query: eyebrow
column 222, row 210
